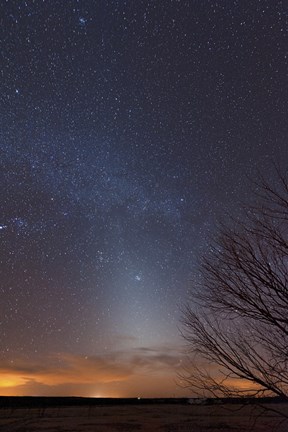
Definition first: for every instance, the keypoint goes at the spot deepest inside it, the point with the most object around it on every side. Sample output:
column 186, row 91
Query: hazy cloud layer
column 106, row 375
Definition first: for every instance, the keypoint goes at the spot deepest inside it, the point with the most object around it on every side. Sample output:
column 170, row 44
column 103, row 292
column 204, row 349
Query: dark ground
column 128, row 415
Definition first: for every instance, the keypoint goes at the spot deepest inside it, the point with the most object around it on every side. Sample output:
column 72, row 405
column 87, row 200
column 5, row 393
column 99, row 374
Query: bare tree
column 236, row 322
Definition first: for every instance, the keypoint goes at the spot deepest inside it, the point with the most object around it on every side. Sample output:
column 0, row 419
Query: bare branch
column 237, row 320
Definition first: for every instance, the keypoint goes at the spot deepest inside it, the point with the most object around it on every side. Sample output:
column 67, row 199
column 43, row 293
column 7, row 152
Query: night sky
column 127, row 129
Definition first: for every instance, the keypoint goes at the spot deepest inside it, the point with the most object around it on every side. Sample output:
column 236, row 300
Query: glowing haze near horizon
column 127, row 128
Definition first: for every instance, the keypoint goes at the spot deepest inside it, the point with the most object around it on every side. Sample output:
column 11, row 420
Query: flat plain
column 145, row 418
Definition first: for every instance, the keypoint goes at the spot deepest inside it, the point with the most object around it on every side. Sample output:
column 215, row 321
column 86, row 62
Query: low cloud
column 111, row 375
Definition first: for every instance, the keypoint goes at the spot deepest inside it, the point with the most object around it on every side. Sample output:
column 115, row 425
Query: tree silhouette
column 236, row 320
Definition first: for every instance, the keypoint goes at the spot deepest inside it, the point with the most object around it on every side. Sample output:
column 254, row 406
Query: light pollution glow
column 146, row 373
column 113, row 375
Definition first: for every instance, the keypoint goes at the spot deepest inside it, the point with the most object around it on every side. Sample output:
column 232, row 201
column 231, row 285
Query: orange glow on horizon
column 11, row 380
column 99, row 377
column 112, row 376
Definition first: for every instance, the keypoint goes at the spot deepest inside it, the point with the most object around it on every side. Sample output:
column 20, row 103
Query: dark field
column 73, row 414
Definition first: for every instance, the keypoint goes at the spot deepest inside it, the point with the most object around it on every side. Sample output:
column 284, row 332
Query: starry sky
column 128, row 127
